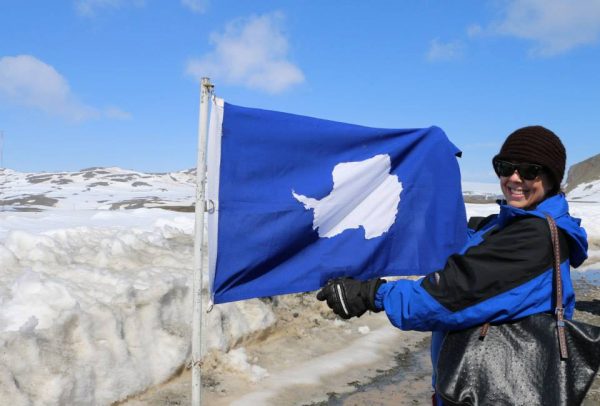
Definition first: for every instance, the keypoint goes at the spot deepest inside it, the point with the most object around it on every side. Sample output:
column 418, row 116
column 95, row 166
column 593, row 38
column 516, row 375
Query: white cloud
column 555, row 26
column 445, row 51
column 251, row 52
column 197, row 6
column 116, row 113
column 29, row 82
column 88, row 8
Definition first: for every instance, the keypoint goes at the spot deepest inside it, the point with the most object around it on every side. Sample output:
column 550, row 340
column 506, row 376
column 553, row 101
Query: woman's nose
column 515, row 177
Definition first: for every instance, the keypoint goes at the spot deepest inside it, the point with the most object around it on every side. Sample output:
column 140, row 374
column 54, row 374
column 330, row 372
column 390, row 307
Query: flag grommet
column 209, row 206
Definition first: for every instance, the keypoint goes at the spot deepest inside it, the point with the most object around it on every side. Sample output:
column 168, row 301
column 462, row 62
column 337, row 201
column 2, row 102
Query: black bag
column 538, row 360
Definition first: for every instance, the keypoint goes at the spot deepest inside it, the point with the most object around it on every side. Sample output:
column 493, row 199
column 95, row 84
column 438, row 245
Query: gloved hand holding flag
column 350, row 298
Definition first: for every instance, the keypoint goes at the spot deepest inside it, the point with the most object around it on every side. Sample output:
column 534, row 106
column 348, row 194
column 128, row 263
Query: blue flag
column 295, row 201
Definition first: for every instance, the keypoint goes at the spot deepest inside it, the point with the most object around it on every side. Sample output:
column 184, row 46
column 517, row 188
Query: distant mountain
column 97, row 188
column 584, row 172
column 479, row 192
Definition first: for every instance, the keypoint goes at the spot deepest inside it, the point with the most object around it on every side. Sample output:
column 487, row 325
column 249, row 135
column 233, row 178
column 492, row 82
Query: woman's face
column 524, row 194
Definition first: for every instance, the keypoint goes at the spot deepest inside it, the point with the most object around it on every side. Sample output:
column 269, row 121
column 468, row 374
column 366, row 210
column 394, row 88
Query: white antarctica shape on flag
column 364, row 194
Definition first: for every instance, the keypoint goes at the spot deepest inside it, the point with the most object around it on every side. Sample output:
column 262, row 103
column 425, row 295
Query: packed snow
column 586, row 192
column 95, row 304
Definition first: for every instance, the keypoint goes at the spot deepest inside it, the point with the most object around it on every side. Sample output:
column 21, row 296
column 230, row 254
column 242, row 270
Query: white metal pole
column 205, row 91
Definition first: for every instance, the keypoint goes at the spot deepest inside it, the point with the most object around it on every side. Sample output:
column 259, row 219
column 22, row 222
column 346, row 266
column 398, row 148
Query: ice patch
column 238, row 361
column 340, row 323
column 359, row 352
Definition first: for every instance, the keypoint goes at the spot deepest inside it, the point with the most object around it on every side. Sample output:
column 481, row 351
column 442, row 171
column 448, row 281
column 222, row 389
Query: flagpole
column 205, row 91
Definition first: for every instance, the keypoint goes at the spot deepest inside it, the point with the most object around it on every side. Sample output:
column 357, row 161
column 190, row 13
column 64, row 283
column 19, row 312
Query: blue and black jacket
column 504, row 272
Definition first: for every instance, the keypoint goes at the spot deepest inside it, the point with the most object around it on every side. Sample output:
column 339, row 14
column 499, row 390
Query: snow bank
column 95, row 306
column 590, row 218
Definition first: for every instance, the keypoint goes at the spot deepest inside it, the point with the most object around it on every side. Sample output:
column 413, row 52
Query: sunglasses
column 526, row 171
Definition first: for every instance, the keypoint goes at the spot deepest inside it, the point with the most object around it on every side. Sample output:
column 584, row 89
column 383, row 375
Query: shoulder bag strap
column 559, row 311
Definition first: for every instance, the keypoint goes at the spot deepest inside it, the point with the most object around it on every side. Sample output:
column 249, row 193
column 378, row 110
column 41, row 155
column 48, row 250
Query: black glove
column 350, row 298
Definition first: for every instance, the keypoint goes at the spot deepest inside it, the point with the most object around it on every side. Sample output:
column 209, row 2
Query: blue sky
column 115, row 82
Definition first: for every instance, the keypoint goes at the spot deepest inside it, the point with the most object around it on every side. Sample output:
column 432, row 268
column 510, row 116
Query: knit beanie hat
column 536, row 145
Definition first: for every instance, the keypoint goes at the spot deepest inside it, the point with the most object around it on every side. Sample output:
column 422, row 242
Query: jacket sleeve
column 507, row 276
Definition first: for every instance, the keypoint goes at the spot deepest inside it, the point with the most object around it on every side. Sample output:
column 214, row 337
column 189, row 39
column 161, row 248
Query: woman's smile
column 521, row 193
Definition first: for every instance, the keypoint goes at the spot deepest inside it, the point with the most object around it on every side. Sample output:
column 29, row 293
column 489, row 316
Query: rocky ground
column 588, row 310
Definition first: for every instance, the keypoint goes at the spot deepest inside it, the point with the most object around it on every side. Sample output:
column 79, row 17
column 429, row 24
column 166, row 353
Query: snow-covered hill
column 116, row 188
column 96, row 188
column 480, row 192
column 586, row 192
